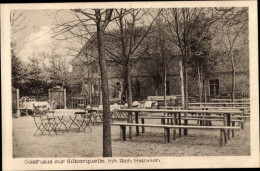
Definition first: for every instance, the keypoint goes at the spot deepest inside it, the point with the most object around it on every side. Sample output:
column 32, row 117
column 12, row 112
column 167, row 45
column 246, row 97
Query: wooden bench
column 167, row 139
column 197, row 118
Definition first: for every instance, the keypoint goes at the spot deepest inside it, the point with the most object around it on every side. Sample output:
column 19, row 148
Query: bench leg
column 221, row 137
column 123, row 133
column 166, row 135
column 143, row 130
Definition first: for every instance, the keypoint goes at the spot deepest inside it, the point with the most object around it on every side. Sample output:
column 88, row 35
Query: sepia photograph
column 130, row 85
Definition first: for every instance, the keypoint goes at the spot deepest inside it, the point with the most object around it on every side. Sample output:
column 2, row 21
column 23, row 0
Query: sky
column 36, row 38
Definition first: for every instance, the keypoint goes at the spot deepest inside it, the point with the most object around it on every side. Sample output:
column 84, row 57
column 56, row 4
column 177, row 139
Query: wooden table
column 226, row 113
column 220, row 108
column 230, row 100
column 221, row 104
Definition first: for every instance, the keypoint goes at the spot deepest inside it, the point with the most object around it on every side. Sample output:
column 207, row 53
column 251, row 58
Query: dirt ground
column 149, row 144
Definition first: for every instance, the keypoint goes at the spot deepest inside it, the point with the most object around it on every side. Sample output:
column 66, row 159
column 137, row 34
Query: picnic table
column 224, row 130
column 226, row 113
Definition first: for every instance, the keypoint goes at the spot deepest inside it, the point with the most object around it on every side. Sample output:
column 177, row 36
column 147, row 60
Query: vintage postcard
column 130, row 85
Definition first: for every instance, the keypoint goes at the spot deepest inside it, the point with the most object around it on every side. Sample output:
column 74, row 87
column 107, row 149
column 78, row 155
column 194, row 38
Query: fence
column 76, row 102
column 34, row 98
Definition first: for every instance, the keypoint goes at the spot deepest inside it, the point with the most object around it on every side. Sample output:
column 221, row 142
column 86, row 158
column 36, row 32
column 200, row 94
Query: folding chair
column 93, row 117
column 40, row 126
column 39, row 123
column 83, row 121
column 54, row 123
column 48, row 119
column 100, row 115
column 45, row 121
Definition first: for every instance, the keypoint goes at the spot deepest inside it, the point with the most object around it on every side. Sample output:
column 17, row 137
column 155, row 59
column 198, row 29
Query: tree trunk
column 129, row 98
column 164, row 87
column 100, row 92
column 233, row 76
column 182, row 84
column 107, row 146
column 185, row 79
column 205, row 87
column 233, row 85
column 129, row 86
column 199, row 84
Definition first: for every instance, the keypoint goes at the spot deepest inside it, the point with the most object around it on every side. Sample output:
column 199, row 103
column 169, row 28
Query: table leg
column 122, row 132
column 228, row 124
column 185, row 132
column 174, row 134
column 225, row 124
column 136, row 121
column 166, row 135
column 233, row 131
column 175, row 123
column 179, row 118
column 130, row 127
column 143, row 130
column 163, row 121
column 168, row 119
column 242, row 124
column 221, row 137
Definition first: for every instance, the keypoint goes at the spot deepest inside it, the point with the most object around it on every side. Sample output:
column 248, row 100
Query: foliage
column 201, row 47
column 16, row 69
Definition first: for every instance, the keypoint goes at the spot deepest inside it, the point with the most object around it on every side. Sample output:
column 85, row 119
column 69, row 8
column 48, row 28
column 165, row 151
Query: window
column 214, row 87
